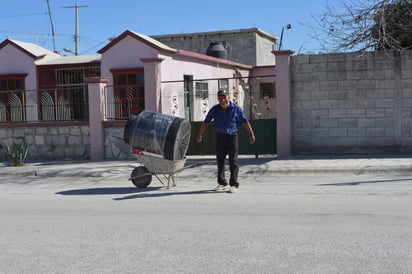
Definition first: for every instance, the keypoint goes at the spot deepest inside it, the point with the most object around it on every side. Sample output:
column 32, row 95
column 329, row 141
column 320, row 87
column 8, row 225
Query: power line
column 22, row 15
column 28, row 33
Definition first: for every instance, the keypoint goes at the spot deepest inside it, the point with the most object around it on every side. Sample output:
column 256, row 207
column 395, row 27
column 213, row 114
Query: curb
column 400, row 167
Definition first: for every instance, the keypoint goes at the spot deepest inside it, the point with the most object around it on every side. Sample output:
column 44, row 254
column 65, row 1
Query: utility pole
column 76, row 35
column 52, row 26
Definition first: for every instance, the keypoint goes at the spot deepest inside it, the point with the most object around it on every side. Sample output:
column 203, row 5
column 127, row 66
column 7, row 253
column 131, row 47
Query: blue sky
column 28, row 20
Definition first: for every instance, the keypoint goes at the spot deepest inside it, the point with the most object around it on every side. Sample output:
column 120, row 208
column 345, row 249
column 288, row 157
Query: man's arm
column 200, row 132
column 250, row 131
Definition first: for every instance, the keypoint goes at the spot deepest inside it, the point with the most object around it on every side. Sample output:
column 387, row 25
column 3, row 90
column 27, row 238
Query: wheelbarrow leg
column 160, row 180
column 173, row 179
column 168, row 181
column 169, row 177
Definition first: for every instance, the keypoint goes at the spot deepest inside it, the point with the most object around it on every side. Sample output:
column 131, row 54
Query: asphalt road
column 274, row 224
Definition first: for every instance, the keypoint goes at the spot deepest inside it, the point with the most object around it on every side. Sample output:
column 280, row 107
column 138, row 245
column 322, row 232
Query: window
column 12, row 98
column 202, row 90
column 128, row 92
column 267, row 90
column 224, row 84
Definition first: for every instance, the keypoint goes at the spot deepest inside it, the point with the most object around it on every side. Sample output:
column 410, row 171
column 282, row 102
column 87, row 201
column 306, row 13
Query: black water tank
column 216, row 49
column 158, row 133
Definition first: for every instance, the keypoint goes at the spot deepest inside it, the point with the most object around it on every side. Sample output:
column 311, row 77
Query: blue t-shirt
column 226, row 122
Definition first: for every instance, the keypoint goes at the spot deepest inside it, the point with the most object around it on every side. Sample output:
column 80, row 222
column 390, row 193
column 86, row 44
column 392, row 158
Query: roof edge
column 258, row 30
column 9, row 41
column 208, row 58
column 138, row 37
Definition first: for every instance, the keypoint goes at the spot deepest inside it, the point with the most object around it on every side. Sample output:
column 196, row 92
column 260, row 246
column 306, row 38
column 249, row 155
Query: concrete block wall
column 49, row 142
column 352, row 103
column 115, row 147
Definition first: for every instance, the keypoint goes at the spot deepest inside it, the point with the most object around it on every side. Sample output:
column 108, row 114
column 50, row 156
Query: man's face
column 224, row 101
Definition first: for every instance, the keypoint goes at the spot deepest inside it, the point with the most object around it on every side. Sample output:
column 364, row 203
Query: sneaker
column 233, row 189
column 220, row 188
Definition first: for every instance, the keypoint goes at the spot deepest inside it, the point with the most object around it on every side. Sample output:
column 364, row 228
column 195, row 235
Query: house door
column 187, row 83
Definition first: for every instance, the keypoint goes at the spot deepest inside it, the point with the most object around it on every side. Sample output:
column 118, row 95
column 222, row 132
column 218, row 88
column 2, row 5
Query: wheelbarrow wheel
column 141, row 177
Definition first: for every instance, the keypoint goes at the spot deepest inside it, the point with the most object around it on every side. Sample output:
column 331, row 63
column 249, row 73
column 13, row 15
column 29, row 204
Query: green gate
column 265, row 133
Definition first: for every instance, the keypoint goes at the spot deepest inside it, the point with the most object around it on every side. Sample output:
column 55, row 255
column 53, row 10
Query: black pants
column 227, row 145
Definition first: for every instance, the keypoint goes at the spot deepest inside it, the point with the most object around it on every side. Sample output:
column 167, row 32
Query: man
column 227, row 117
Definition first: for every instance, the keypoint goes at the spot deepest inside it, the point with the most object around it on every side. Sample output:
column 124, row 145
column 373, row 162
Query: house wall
column 265, row 107
column 352, row 103
column 127, row 53
column 173, row 72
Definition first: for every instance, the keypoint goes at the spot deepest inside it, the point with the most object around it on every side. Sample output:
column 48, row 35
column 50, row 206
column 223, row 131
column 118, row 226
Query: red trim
column 72, row 65
column 14, row 76
column 43, row 124
column 208, row 58
column 151, row 60
column 128, row 70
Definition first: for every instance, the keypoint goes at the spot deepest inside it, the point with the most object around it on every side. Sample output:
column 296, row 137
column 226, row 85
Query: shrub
column 17, row 153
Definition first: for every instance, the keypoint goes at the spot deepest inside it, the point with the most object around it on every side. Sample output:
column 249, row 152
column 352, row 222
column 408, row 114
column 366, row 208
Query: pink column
column 96, row 86
column 283, row 103
column 152, row 83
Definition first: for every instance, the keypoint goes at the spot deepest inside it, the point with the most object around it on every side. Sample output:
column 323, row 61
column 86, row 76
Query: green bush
column 17, row 153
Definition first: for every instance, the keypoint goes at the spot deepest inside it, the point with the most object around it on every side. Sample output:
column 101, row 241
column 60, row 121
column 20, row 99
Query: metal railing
column 68, row 104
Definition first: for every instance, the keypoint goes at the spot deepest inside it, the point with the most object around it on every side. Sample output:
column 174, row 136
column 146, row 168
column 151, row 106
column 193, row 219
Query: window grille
column 12, row 99
column 128, row 92
column 202, row 90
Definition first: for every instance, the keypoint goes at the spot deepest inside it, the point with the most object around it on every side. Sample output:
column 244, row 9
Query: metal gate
column 265, row 132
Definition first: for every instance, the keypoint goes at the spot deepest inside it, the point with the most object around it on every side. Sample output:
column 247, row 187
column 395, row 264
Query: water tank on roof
column 216, row 49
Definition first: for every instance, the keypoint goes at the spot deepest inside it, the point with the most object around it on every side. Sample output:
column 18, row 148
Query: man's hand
column 252, row 139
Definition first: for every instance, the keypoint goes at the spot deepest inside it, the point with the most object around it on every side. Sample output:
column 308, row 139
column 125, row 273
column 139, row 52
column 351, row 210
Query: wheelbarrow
column 155, row 165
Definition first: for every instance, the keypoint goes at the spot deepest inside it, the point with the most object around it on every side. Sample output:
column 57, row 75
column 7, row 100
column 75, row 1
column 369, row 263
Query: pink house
column 134, row 72
column 167, row 72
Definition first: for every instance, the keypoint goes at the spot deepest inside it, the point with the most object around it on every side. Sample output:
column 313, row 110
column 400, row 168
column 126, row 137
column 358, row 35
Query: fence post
column 96, row 86
column 283, row 102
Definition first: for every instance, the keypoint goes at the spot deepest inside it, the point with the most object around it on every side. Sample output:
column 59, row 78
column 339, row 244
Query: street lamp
column 287, row 26
column 69, row 51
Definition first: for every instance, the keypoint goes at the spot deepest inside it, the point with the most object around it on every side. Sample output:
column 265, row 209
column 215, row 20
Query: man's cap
column 222, row 92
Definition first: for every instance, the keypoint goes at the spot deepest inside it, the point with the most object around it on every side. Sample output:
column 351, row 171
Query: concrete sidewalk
column 356, row 165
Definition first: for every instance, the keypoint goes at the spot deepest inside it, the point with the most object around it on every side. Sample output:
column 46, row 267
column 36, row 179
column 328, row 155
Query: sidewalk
column 356, row 165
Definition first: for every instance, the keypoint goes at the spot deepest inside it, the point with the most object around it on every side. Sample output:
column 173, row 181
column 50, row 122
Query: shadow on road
column 163, row 194
column 106, row 190
column 147, row 192
column 366, row 182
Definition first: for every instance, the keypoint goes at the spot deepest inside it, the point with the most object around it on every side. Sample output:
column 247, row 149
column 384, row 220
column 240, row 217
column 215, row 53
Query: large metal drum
column 158, row 133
